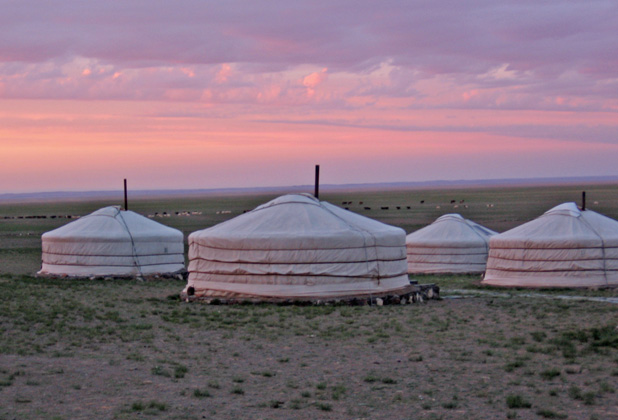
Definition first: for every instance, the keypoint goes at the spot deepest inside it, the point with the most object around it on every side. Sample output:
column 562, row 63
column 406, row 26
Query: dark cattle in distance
column 367, row 208
column 383, row 208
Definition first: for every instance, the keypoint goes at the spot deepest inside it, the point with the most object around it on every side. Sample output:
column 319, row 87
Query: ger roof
column 300, row 221
column 452, row 230
column 564, row 226
column 112, row 224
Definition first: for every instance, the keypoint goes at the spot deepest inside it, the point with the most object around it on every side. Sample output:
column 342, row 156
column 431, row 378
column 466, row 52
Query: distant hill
column 508, row 182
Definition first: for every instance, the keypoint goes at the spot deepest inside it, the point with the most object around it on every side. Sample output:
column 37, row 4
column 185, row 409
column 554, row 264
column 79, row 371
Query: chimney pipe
column 317, row 182
column 126, row 205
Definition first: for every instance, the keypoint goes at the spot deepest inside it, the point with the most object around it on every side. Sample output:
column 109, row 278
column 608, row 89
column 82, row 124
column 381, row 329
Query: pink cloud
column 518, row 75
column 312, row 81
column 224, row 74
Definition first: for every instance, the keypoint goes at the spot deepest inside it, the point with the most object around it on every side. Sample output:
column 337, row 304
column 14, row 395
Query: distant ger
column 565, row 247
column 451, row 244
column 112, row 242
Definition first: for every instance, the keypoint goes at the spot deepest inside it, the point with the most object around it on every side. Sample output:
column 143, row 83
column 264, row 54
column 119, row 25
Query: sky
column 239, row 93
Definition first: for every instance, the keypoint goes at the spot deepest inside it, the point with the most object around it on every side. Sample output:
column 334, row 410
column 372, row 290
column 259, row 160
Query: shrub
column 338, row 392
column 138, row 406
column 179, row 371
column 157, row 405
column 538, row 336
column 511, row 366
column 371, row 378
column 550, row 374
column 549, row 414
column 450, row 405
column 325, row 406
column 575, row 393
column 201, row 393
column 517, row 401
column 160, row 371
column 588, row 398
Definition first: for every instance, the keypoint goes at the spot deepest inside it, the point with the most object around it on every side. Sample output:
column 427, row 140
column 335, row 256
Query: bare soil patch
column 122, row 349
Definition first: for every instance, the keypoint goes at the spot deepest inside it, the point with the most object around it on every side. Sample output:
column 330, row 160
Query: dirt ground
column 124, row 350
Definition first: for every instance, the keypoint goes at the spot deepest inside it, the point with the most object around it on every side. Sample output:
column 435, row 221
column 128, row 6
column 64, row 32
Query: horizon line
column 57, row 194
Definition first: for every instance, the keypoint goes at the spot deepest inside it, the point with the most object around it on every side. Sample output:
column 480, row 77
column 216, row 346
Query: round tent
column 296, row 247
column 565, row 247
column 112, row 242
column 451, row 244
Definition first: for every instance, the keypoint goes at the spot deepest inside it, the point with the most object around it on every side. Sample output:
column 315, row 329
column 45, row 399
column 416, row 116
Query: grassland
column 75, row 349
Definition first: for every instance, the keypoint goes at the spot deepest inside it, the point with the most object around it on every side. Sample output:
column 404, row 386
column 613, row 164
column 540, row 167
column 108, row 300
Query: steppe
column 126, row 349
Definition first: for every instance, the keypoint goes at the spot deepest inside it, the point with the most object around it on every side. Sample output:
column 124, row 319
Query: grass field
column 120, row 349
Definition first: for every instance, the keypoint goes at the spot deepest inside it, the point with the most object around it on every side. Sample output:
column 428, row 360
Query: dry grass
column 94, row 349
column 74, row 349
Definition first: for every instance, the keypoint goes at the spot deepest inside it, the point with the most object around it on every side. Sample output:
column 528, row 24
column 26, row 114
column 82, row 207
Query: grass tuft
column 517, row 401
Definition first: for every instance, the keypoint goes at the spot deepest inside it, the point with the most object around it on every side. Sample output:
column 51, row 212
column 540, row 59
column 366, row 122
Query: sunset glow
column 184, row 95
